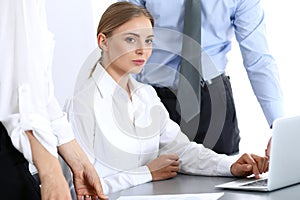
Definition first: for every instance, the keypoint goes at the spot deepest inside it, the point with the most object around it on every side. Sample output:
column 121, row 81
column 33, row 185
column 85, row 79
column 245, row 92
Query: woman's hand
column 53, row 183
column 86, row 180
column 164, row 167
column 249, row 164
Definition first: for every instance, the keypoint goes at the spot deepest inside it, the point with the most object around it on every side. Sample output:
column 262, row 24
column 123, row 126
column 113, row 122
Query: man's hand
column 268, row 149
column 164, row 167
column 249, row 164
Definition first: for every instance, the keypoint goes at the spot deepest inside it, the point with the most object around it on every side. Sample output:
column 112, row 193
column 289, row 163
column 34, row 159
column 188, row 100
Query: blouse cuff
column 225, row 164
column 62, row 130
column 17, row 124
column 141, row 175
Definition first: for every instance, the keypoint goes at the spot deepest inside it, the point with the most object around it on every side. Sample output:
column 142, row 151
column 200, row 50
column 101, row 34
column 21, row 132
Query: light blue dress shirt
column 221, row 20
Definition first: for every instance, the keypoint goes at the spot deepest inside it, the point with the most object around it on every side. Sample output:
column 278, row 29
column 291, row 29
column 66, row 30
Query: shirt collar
column 107, row 86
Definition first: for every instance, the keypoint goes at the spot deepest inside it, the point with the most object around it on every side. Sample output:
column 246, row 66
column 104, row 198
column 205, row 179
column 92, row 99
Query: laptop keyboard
column 262, row 182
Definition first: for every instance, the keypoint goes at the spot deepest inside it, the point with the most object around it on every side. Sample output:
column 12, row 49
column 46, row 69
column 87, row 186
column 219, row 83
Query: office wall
column 283, row 37
column 72, row 23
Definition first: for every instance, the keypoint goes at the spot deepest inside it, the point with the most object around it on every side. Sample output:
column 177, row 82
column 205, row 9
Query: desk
column 201, row 184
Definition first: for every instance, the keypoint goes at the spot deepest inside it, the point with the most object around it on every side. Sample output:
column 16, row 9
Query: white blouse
column 121, row 135
column 27, row 99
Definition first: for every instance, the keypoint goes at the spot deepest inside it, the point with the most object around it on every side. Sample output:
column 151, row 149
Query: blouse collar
column 107, row 86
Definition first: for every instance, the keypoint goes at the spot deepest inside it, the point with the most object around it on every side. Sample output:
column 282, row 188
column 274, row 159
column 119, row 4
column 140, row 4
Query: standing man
column 220, row 21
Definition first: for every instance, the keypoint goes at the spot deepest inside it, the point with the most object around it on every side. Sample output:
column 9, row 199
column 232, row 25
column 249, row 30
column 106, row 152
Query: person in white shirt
column 33, row 128
column 122, row 124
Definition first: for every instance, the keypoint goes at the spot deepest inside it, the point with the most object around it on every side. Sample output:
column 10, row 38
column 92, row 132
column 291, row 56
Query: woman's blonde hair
column 118, row 14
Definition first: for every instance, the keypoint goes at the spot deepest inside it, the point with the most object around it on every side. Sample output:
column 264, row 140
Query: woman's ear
column 102, row 42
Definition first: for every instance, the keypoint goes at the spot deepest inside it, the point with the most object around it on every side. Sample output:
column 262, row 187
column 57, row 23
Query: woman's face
column 129, row 47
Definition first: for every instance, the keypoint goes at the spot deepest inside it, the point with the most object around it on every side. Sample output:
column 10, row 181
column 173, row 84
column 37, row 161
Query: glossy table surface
column 186, row 184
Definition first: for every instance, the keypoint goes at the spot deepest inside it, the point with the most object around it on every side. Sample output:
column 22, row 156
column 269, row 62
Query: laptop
column 284, row 163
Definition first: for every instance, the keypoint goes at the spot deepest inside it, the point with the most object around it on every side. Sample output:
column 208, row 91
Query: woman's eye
column 149, row 41
column 130, row 40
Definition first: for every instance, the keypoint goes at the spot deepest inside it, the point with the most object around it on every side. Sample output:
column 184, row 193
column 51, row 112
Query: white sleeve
column 198, row 160
column 194, row 158
column 60, row 125
column 17, row 124
column 122, row 180
column 62, row 130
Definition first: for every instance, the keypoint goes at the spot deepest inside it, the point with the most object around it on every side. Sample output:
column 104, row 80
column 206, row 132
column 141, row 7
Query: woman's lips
column 138, row 62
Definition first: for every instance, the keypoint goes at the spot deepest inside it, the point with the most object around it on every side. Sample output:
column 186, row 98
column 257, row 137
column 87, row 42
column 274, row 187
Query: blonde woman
column 122, row 124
